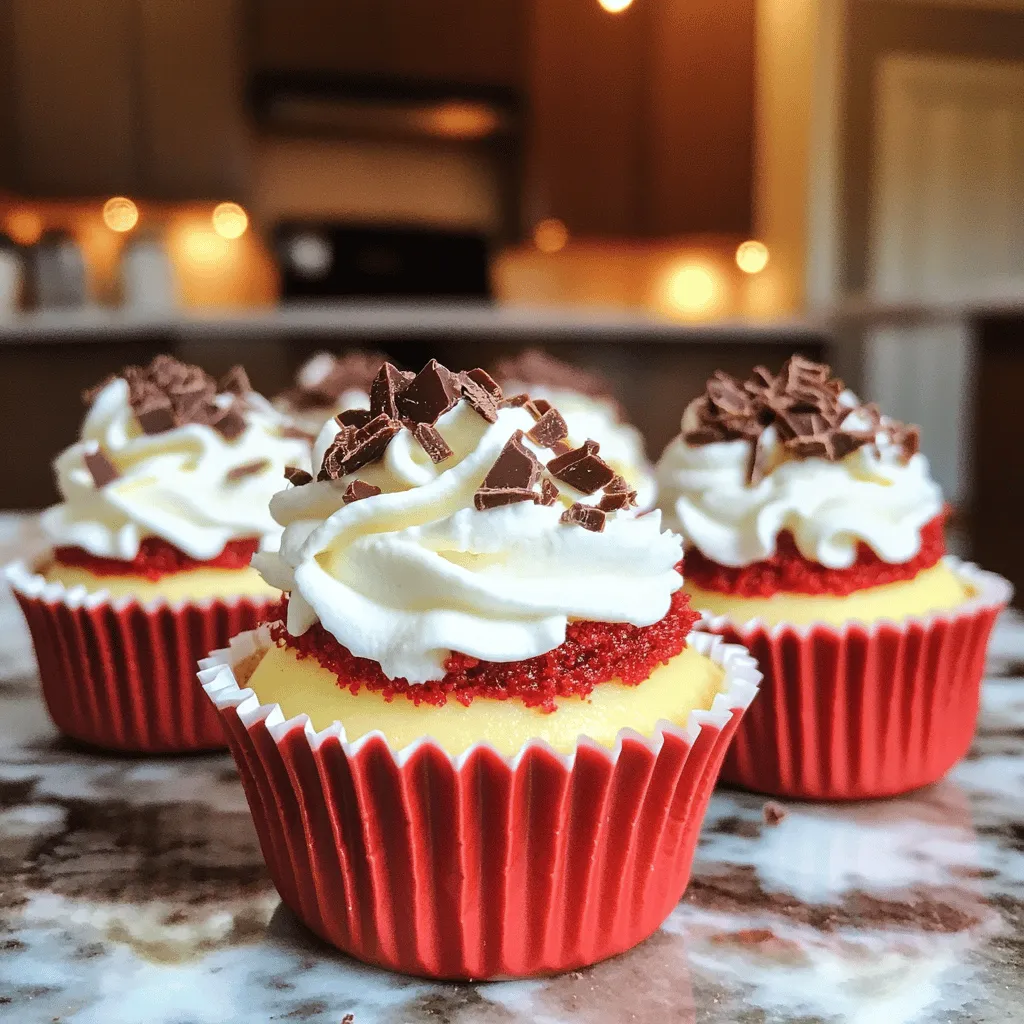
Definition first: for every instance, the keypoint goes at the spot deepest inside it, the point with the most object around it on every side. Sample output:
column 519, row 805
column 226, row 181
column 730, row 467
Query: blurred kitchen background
column 651, row 188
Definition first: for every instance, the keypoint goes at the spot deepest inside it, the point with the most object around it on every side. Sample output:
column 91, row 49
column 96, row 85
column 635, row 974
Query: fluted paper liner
column 480, row 865
column 864, row 709
column 118, row 673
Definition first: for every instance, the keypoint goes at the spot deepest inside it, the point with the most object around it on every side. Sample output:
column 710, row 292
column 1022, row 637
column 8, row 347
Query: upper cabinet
column 466, row 42
column 137, row 96
column 642, row 121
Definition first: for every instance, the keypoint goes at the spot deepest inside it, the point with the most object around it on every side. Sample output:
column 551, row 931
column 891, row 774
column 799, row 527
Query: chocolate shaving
column 235, row 382
column 355, row 448
column 773, row 813
column 432, row 442
column 354, row 417
column 357, row 490
column 515, row 401
column 229, row 423
column 588, row 516
column 156, row 416
column 511, row 478
column 297, row 477
column 433, row 391
column 549, row 429
column 100, row 468
column 385, row 388
column 493, row 497
column 803, row 404
column 481, row 392
column 548, row 492
column 618, row 495
column 247, row 469
column 582, row 468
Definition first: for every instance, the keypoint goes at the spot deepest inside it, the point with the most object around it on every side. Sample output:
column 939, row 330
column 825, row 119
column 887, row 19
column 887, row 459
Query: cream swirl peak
column 448, row 518
column 166, row 453
column 795, row 452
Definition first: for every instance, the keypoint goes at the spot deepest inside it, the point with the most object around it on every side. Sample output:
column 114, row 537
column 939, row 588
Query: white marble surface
column 132, row 890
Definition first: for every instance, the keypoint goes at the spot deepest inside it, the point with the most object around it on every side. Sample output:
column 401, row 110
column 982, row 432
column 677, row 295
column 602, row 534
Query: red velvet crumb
column 789, row 572
column 593, row 653
column 157, row 558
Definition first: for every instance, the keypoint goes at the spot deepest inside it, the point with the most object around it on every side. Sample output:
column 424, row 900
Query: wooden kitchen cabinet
column 466, row 42
column 642, row 122
column 142, row 97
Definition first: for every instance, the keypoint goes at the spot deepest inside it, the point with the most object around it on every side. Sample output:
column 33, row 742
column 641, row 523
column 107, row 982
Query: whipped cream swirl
column 189, row 485
column 408, row 575
column 874, row 495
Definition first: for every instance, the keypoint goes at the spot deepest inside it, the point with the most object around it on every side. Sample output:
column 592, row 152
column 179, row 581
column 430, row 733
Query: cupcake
column 481, row 738
column 165, row 503
column 814, row 536
column 327, row 384
column 587, row 401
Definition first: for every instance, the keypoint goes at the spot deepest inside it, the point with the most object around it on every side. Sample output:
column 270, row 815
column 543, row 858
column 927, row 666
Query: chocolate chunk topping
column 493, row 497
column 155, row 415
column 354, row 417
column 432, row 442
column 617, row 495
column 247, row 469
column 548, row 492
column 515, row 401
column 297, row 477
column 536, row 367
column 582, row 468
column 587, row 516
column 803, row 402
column 385, row 388
column 229, row 422
column 480, row 390
column 355, row 448
column 357, row 490
column 433, row 391
column 235, row 382
column 773, row 813
column 101, row 469
column 511, row 478
column 549, row 429
column 516, row 466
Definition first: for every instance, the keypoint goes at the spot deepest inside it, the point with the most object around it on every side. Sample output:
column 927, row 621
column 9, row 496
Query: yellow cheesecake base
column 190, row 585
column 931, row 590
column 687, row 682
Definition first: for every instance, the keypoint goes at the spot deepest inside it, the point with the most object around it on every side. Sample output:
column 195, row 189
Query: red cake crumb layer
column 593, row 653
column 789, row 572
column 157, row 558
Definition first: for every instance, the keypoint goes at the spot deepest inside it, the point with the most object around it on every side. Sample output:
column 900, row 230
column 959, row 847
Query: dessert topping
column 806, row 406
column 297, row 477
column 431, row 441
column 354, row 447
column 354, row 417
column 511, row 478
column 582, row 468
column 549, row 429
column 430, row 394
column 590, row 517
column 101, row 469
column 236, row 473
column 357, row 490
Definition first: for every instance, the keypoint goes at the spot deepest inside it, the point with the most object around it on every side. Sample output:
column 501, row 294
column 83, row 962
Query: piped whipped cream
column 190, row 485
column 881, row 493
column 407, row 575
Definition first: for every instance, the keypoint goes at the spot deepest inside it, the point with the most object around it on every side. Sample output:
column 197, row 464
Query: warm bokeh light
column 615, row 6
column 25, row 227
column 690, row 288
column 550, row 235
column 229, row 220
column 202, row 246
column 752, row 257
column 120, row 214
column 460, row 120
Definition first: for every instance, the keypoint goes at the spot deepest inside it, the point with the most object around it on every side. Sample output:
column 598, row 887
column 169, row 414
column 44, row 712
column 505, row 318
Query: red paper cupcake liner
column 120, row 674
column 477, row 866
column 863, row 710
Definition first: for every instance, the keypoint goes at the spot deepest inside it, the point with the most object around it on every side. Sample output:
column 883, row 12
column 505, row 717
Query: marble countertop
column 132, row 890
